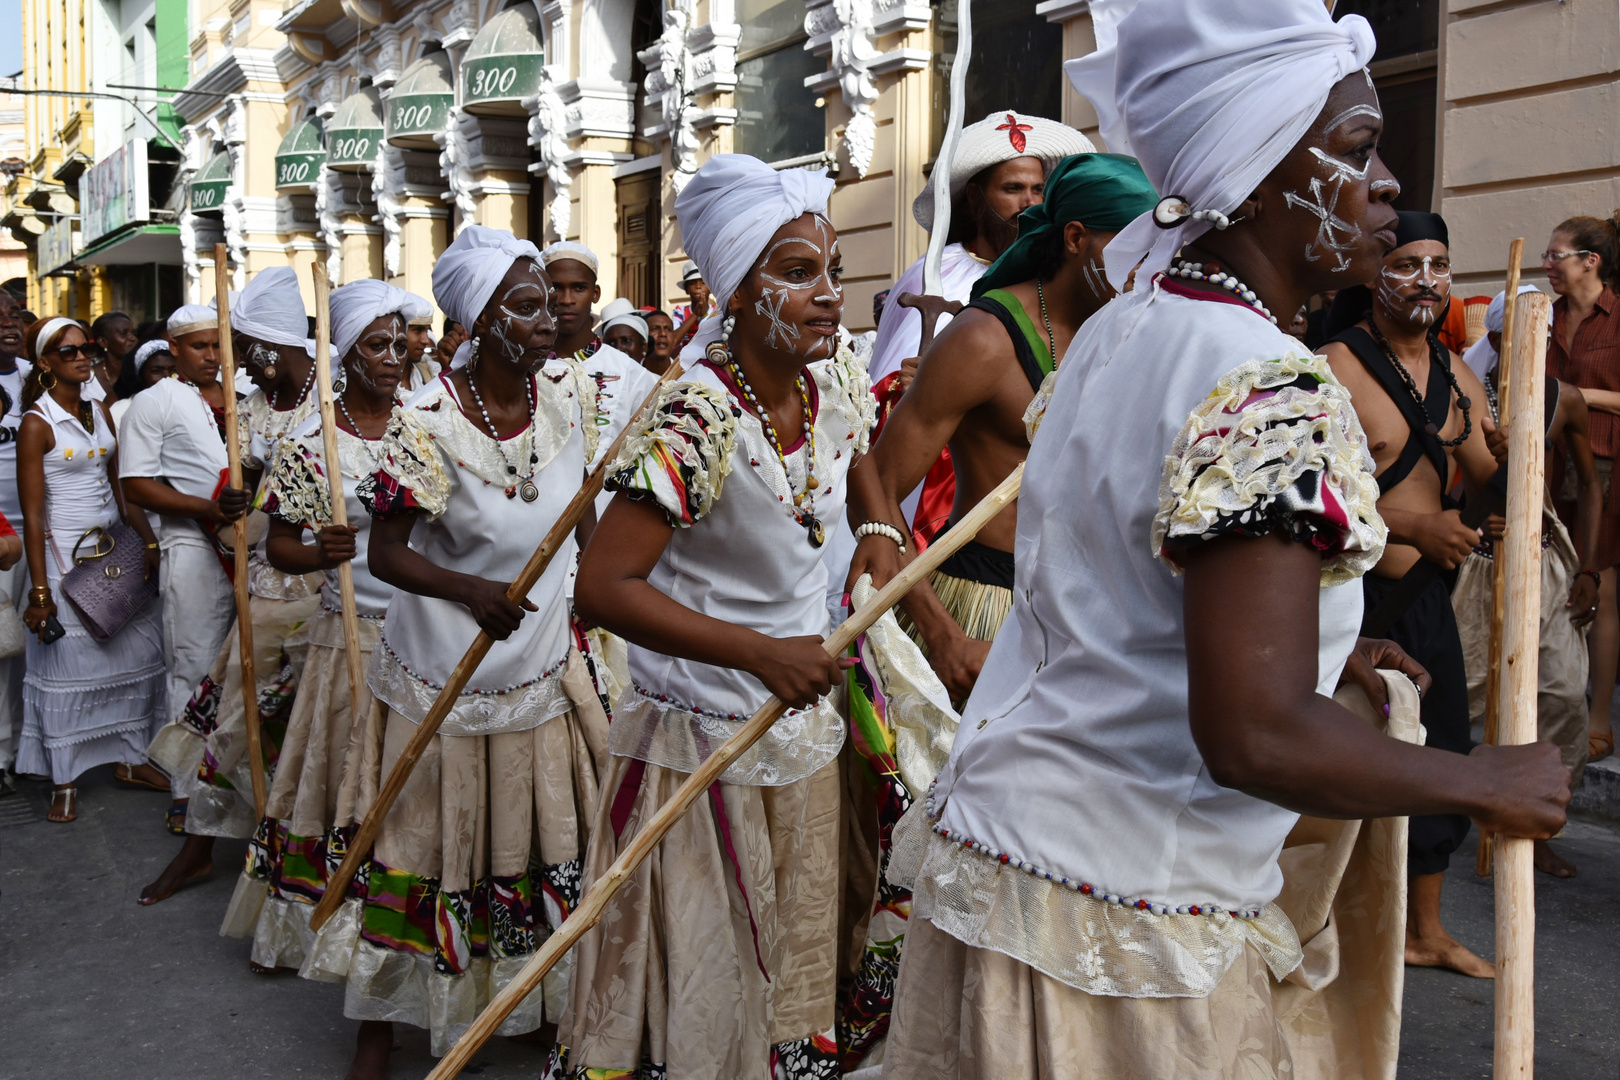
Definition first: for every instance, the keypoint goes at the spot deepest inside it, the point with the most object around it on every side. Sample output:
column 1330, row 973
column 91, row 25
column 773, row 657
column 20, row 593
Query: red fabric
column 934, row 505
column 5, row 527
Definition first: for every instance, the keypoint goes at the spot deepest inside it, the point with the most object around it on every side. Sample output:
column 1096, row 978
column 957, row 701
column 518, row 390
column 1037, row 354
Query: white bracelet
column 882, row 528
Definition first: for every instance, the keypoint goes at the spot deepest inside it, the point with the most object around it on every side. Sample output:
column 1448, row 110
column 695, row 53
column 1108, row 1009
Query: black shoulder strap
column 1021, row 349
column 1551, row 406
column 1437, row 399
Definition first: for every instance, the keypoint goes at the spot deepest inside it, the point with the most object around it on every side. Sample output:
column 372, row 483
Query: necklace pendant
column 798, row 500
column 529, row 491
column 511, row 493
column 818, row 534
column 811, row 484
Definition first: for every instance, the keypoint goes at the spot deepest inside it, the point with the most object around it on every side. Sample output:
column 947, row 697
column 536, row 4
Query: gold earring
column 44, row 372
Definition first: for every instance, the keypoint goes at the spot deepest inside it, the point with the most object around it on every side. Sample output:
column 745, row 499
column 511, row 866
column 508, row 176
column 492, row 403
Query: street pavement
column 91, row 984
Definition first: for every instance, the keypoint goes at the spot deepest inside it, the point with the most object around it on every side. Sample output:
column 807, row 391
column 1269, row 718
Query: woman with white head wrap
column 152, row 362
column 1096, row 869
column 708, row 562
column 491, row 829
column 308, row 807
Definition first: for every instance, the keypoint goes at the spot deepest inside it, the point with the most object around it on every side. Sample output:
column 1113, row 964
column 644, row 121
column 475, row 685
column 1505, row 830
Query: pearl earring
column 728, row 326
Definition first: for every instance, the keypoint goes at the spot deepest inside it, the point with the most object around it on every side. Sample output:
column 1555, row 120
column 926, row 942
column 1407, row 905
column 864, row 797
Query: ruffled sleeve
column 1276, row 446
column 412, row 478
column 681, row 454
column 852, row 378
column 297, row 490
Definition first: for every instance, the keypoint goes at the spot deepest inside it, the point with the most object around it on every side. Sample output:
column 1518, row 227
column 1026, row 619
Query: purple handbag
column 108, row 586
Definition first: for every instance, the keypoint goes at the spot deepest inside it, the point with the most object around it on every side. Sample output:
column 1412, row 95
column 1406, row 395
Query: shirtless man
column 971, row 391
column 1383, row 360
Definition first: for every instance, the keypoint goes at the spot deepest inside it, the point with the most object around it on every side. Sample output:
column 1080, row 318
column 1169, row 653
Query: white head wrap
column 148, row 350
column 569, row 249
column 728, row 212
column 1482, row 356
column 1211, row 98
column 466, row 274
column 53, row 327
column 621, row 312
column 1494, row 313
column 272, row 309
column 357, row 304
column 191, row 318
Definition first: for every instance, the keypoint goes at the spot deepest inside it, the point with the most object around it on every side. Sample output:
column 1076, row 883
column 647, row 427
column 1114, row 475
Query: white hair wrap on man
column 190, row 318
column 728, row 212
column 272, row 309
column 1212, row 97
column 358, row 304
column 466, row 274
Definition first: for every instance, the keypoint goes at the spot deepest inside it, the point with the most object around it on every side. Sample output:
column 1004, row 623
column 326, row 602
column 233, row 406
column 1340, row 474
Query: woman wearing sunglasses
column 1582, row 263
column 85, row 703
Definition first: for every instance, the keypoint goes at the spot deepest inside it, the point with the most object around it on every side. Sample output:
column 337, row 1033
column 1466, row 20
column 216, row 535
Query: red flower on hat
column 1015, row 131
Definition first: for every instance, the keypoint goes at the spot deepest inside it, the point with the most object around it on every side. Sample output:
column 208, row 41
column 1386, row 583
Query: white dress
column 86, row 703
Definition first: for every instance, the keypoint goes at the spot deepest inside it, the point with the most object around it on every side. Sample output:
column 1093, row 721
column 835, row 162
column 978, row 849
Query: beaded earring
column 719, row 350
column 472, row 355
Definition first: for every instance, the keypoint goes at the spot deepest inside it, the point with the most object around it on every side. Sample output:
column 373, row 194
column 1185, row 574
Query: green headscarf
column 1102, row 191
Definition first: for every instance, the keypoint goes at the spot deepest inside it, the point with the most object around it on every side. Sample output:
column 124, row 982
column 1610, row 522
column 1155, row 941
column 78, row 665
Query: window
column 779, row 118
column 1404, row 71
column 1403, row 27
column 1008, row 38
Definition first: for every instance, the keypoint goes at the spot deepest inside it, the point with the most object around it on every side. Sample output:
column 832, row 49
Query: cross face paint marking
column 1425, row 275
column 789, row 333
column 1324, row 205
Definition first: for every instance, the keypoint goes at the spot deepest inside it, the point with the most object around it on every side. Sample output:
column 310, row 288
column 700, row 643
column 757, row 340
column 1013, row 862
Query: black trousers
column 1428, row 633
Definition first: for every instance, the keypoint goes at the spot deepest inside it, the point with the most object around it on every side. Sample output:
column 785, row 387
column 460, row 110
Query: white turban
column 1211, row 98
column 148, row 350
column 1493, row 314
column 1482, row 356
column 191, row 318
column 420, row 313
column 356, row 305
column 466, row 274
column 622, row 312
column 728, row 212
column 569, row 249
column 272, row 309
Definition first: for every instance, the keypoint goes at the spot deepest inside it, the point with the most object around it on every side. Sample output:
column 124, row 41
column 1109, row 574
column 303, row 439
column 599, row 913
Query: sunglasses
column 93, row 353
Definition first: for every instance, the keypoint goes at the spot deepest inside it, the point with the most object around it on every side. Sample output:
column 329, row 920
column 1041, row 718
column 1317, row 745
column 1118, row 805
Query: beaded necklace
column 375, row 459
column 804, row 514
column 525, row 486
column 1051, row 342
column 1417, row 395
column 1216, row 276
column 275, row 398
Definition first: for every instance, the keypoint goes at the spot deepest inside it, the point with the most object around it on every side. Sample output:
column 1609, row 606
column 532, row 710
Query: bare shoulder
column 1344, row 364
column 963, row 350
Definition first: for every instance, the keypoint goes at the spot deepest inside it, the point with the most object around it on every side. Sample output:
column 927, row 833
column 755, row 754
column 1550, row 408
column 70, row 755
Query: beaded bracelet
column 882, row 528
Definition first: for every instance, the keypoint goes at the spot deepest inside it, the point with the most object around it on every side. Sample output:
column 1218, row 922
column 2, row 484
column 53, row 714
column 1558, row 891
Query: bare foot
column 194, row 862
column 1443, row 951
column 372, row 1045
column 1549, row 861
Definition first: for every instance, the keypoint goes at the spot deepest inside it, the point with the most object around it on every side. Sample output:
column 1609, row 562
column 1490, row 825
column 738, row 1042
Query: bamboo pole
column 1493, row 668
column 595, row 901
column 334, row 475
column 244, row 613
column 1521, row 642
column 553, row 542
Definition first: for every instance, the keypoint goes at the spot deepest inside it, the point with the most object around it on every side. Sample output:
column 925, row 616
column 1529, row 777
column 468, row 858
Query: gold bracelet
column 40, row 596
column 152, row 546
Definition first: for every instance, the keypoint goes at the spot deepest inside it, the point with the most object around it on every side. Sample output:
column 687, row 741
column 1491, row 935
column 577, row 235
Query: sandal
column 126, row 775
column 175, row 819
column 69, row 797
column 1599, row 745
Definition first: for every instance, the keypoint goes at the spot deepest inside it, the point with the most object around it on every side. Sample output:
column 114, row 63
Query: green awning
column 355, row 131
column 503, row 63
column 419, row 105
column 138, row 245
column 299, row 157
column 209, row 186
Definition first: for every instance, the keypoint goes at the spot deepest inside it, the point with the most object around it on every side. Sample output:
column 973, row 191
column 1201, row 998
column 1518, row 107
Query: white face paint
column 1097, row 281
column 1386, row 185
column 829, row 290
column 783, row 335
column 521, row 310
column 1335, row 237
column 1425, row 279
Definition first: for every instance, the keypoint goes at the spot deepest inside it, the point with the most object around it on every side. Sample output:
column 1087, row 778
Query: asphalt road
column 93, row 985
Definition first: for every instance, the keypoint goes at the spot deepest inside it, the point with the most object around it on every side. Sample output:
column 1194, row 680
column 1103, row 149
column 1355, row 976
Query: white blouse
column 739, row 555
column 476, row 517
column 169, row 433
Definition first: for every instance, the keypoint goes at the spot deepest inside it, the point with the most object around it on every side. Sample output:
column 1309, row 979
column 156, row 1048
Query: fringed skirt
column 476, row 865
column 309, row 816
column 719, row 956
column 207, row 742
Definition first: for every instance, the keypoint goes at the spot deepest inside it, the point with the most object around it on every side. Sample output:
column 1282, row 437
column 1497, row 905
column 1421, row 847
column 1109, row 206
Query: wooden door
column 637, row 198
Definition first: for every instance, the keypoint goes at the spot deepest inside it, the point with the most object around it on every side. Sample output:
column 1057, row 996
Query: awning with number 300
column 299, row 157
column 209, row 186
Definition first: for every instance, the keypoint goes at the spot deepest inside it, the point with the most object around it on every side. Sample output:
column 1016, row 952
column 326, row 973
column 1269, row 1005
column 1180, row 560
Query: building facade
column 364, row 133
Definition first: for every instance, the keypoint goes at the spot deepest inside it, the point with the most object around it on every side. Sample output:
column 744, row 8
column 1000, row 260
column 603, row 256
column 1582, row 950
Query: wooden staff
column 595, row 901
column 334, row 474
column 554, row 540
column 1521, row 644
column 1493, row 669
column 233, row 453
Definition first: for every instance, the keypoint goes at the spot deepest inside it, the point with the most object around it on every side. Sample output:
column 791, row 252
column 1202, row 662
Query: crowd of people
column 1042, row 820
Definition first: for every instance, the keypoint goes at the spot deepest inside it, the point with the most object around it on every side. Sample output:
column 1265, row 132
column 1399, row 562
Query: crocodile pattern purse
column 108, row 585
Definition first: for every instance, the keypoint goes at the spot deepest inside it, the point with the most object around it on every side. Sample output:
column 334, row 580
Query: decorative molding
column 548, row 133
column 233, row 132
column 460, row 26
column 842, row 30
column 669, row 85
column 328, row 201
column 387, row 184
column 455, row 163
column 1062, row 10
column 900, row 16
column 900, row 60
column 597, row 107
column 650, row 163
column 713, row 49
column 389, row 60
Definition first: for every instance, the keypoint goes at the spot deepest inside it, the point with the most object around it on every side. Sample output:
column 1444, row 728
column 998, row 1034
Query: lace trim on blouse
column 297, row 491
column 1275, row 446
column 477, row 712
column 680, row 456
column 1085, row 941
column 1037, row 406
column 681, row 736
column 255, row 417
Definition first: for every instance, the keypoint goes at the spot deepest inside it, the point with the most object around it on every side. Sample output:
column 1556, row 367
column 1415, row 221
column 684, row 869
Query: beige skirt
column 310, row 812
column 476, row 864
column 718, row 958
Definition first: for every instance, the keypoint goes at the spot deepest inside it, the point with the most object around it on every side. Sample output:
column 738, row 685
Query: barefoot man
column 971, row 392
column 1425, row 417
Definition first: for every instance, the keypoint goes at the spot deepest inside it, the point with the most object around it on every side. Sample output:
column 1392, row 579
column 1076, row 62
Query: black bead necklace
column 1438, row 358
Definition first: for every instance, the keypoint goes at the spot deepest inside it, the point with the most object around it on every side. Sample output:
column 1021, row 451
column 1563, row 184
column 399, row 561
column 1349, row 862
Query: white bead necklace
column 1195, row 272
